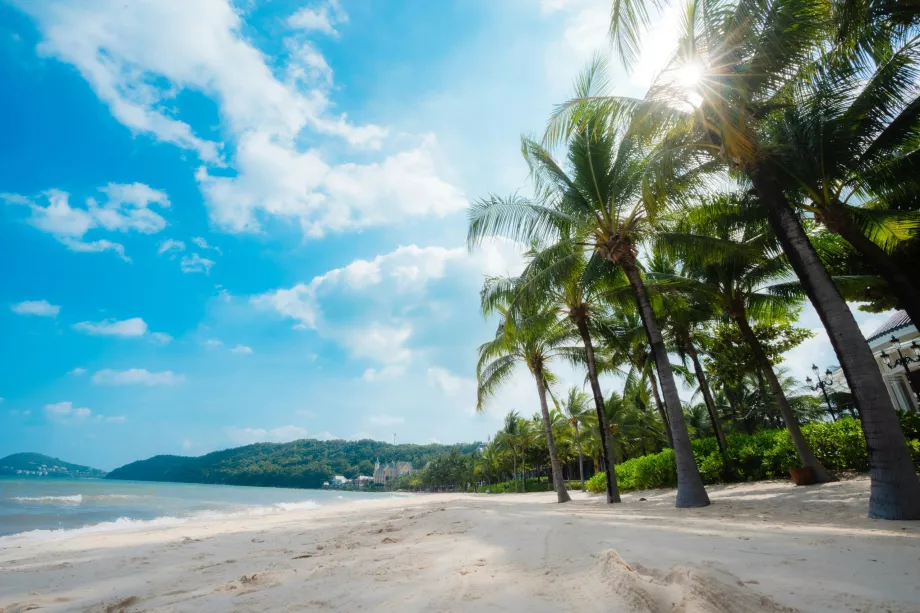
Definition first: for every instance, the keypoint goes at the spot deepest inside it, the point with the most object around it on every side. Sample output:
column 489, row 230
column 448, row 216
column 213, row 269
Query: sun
column 690, row 74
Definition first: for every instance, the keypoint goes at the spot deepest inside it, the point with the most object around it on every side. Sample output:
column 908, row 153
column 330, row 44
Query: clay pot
column 802, row 476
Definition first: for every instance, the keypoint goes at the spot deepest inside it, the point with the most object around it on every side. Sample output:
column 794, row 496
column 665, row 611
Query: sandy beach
column 763, row 547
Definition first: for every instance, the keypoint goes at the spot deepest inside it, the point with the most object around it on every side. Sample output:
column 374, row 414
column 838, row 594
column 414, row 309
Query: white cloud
column 319, row 18
column 203, row 244
column 136, row 376
column 386, row 373
column 161, row 338
column 124, row 208
column 170, row 245
column 76, row 372
column 62, row 410
column 187, row 445
column 282, row 434
column 133, row 327
column 41, row 308
column 450, row 383
column 379, row 342
column 385, row 420
column 242, row 349
column 213, row 342
column 196, row 263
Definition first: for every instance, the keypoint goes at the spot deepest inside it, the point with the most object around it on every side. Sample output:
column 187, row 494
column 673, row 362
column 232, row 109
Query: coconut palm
column 576, row 411
column 599, row 203
column 561, row 275
column 532, row 336
column 851, row 150
column 512, row 437
column 729, row 261
column 737, row 62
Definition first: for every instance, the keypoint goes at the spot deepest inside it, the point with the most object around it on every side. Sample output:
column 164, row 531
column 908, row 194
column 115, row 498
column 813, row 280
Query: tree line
column 773, row 160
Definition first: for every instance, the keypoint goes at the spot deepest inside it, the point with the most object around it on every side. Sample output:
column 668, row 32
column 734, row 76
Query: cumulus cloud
column 170, row 245
column 136, row 376
column 203, row 244
column 40, row 308
column 282, row 434
column 212, row 342
column 76, row 372
column 126, row 328
column 242, row 349
column 66, row 410
column 122, row 208
column 450, row 383
column 127, row 52
column 196, row 263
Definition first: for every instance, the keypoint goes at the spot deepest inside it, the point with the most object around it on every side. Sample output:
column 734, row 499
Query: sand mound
column 682, row 590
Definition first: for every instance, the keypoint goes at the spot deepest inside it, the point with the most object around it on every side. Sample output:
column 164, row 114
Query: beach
column 760, row 547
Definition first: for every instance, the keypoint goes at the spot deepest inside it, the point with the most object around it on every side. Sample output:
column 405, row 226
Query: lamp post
column 822, row 385
column 903, row 360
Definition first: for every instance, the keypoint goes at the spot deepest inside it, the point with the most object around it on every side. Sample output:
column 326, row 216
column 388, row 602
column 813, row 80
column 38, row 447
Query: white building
column 902, row 387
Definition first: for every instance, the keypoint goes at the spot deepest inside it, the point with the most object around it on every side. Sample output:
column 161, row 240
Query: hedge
column 767, row 454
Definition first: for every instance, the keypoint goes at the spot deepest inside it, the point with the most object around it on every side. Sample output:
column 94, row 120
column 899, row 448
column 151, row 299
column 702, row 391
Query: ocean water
column 45, row 507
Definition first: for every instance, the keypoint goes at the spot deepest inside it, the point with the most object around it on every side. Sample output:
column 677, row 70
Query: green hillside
column 305, row 463
column 38, row 465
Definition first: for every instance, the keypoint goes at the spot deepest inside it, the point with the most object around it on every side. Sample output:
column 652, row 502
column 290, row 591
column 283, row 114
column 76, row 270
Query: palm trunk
column 895, row 489
column 514, row 468
column 901, row 283
column 562, row 495
column 661, row 412
column 690, row 490
column 581, row 459
column 792, row 424
column 707, row 397
column 613, row 494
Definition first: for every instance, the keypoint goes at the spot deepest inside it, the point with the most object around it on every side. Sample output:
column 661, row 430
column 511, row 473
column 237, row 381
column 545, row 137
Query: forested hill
column 38, row 465
column 304, row 463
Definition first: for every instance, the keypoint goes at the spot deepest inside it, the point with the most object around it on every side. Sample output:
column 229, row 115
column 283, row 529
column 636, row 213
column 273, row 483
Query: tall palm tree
column 561, row 275
column 851, row 150
column 575, row 409
column 749, row 62
column 730, row 260
column 600, row 204
column 532, row 336
column 511, row 436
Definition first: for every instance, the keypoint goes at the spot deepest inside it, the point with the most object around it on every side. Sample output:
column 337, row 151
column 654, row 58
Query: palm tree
column 560, row 275
column 512, row 436
column 575, row 409
column 750, row 62
column 730, row 259
column 532, row 336
column 850, row 149
column 601, row 206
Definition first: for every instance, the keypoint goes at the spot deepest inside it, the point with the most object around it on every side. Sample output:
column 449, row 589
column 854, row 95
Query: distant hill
column 38, row 465
column 305, row 463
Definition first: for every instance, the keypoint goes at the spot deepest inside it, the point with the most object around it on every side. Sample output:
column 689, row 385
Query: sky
column 226, row 222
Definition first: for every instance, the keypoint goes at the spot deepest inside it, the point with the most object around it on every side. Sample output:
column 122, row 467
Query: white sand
column 761, row 547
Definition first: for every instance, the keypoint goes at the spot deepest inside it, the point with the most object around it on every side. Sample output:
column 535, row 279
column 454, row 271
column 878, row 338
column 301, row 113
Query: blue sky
column 227, row 222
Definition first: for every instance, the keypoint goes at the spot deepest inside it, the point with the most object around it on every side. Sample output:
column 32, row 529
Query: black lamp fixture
column 822, row 384
column 903, row 361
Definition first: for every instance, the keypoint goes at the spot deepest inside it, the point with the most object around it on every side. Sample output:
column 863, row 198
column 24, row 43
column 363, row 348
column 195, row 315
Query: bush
column 767, row 454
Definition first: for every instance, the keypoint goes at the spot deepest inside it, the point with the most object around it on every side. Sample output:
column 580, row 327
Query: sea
column 45, row 508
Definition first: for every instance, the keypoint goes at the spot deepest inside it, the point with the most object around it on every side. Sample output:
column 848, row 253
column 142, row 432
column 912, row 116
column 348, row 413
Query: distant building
column 338, row 482
column 363, row 480
column 902, row 388
column 392, row 470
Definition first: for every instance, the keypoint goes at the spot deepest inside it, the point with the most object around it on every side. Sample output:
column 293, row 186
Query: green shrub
column 767, row 454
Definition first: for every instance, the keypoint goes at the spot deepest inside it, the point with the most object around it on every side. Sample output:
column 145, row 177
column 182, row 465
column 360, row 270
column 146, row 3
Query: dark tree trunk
column 792, row 424
column 707, row 397
column 895, row 490
column 690, row 490
column 901, row 283
column 562, row 495
column 581, row 459
column 661, row 412
column 613, row 494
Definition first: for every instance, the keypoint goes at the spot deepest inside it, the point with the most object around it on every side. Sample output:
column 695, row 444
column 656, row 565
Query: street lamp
column 822, row 385
column 903, row 360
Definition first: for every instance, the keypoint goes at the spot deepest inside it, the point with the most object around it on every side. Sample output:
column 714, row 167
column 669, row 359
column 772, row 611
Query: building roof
column 895, row 322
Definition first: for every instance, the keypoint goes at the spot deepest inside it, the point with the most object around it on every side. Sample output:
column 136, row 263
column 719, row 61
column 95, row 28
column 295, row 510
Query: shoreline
column 761, row 547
